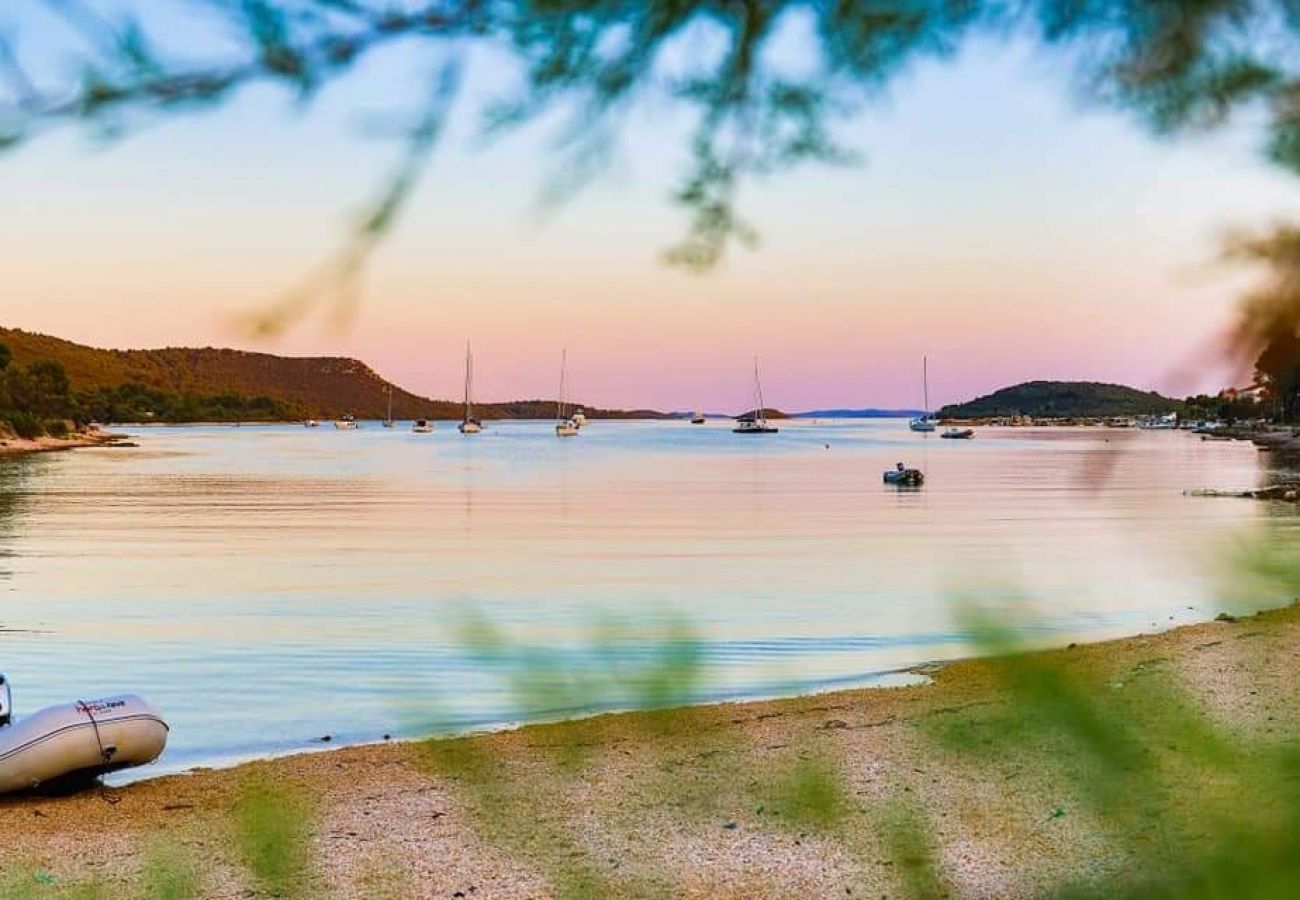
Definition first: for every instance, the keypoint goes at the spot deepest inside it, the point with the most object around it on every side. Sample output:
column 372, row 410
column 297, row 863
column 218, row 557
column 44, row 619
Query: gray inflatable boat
column 74, row 740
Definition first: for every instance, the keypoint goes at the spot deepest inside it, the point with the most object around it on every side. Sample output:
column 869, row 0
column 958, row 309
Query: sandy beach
column 782, row 798
column 11, row 445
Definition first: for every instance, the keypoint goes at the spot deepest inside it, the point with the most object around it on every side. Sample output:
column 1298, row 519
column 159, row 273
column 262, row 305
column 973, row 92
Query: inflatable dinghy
column 82, row 739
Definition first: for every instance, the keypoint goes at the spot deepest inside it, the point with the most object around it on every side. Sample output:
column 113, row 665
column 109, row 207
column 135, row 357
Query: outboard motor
column 6, row 702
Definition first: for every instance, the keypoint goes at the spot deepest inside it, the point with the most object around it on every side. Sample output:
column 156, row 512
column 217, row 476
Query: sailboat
column 388, row 422
column 755, row 422
column 697, row 418
column 564, row 425
column 469, row 424
column 924, row 424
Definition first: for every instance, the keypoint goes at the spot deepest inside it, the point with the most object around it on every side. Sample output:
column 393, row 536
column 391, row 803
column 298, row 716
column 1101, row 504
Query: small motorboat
column 77, row 740
column 311, row 423
column 579, row 418
column 902, row 475
column 959, row 434
column 422, row 426
column 347, row 423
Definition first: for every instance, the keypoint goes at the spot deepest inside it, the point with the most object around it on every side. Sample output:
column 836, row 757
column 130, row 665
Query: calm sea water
column 266, row 586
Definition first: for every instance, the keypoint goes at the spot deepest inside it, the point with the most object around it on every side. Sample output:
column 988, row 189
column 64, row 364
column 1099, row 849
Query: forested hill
column 1064, row 399
column 179, row 379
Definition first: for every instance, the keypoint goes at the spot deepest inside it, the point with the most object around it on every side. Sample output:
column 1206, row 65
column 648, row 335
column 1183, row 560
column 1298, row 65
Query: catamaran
column 755, row 422
column 564, row 424
column 469, row 424
column 924, row 424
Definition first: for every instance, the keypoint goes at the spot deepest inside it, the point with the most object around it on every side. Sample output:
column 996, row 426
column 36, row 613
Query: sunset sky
column 996, row 224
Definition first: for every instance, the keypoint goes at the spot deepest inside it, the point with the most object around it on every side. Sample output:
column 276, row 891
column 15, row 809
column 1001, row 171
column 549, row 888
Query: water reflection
column 266, row 586
column 14, row 475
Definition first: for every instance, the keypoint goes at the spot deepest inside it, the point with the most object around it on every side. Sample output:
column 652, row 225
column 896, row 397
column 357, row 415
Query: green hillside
column 212, row 383
column 1063, row 399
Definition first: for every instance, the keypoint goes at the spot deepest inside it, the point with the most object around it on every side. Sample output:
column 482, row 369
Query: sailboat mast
column 559, row 407
column 925, row 381
column 390, row 403
column 758, row 394
column 469, row 374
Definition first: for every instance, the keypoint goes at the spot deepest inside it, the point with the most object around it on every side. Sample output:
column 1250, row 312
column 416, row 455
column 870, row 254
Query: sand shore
column 12, row 446
column 686, row 804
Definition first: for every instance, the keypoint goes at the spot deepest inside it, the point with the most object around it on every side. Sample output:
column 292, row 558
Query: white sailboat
column 755, row 422
column 388, row 422
column 469, row 424
column 564, row 425
column 924, row 424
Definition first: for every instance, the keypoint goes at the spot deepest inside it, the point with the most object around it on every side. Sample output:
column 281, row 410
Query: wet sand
column 12, row 445
column 674, row 804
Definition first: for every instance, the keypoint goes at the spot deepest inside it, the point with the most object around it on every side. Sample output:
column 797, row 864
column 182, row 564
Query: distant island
column 1064, row 400
column 208, row 384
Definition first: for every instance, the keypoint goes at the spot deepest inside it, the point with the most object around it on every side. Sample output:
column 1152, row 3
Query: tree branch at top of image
column 1179, row 66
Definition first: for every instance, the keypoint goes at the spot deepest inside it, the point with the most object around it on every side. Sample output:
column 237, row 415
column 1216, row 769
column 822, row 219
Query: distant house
column 1256, row 393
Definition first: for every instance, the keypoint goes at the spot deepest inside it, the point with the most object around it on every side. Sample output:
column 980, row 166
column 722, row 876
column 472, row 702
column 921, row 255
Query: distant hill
column 859, row 414
column 319, row 387
column 1063, row 399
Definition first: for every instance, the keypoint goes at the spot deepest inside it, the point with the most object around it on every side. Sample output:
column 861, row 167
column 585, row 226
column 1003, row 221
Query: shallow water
column 265, row 586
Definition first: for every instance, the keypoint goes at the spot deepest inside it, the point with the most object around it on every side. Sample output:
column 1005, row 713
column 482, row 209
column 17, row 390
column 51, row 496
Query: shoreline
column 383, row 808
column 16, row 446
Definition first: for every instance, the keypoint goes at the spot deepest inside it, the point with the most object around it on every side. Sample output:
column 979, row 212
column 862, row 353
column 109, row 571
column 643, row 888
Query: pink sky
column 995, row 227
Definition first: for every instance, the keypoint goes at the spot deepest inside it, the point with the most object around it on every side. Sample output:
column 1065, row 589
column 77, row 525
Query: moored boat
column 422, row 426
column 565, row 426
column 902, row 475
column 959, row 434
column 469, row 424
column 755, row 422
column 924, row 424
column 85, row 738
column 346, row 423
column 388, row 421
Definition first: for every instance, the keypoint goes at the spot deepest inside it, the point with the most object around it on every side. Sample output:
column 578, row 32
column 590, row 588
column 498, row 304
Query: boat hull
column 905, row 478
column 83, row 738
